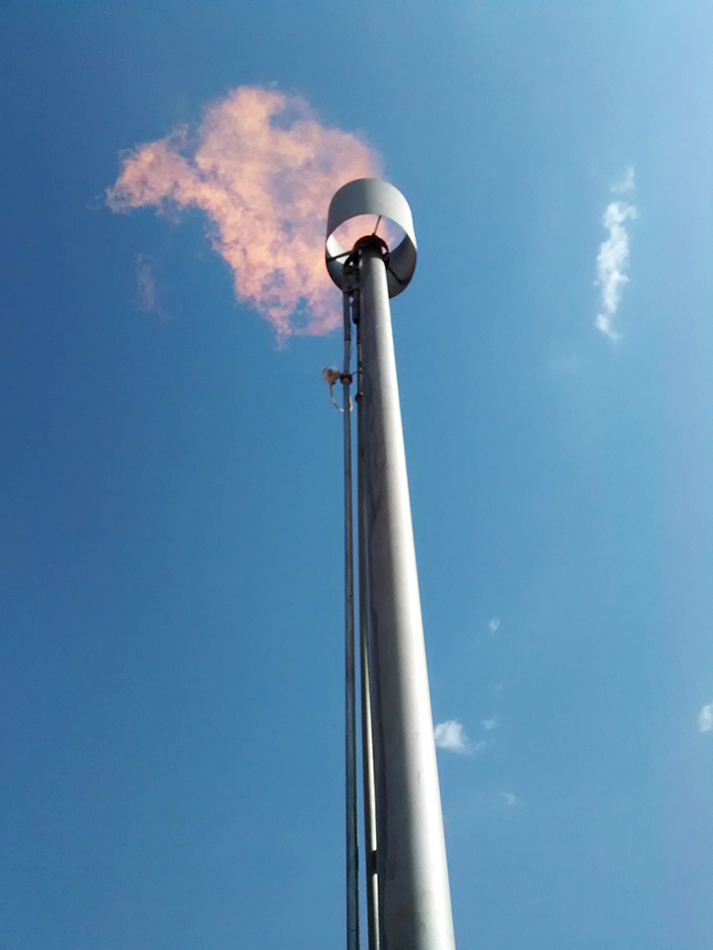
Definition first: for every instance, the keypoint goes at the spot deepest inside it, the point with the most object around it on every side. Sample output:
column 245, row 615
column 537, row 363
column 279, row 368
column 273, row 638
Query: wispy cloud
column 488, row 724
column 705, row 718
column 147, row 289
column 613, row 257
column 564, row 365
column 494, row 624
column 626, row 183
column 510, row 799
column 451, row 735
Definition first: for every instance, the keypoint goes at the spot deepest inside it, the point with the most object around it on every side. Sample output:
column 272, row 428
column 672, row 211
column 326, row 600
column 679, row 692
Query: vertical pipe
column 414, row 895
column 367, row 741
column 352, row 850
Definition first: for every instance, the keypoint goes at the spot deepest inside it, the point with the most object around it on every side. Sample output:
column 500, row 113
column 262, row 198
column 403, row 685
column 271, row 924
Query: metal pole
column 414, row 895
column 349, row 667
column 367, row 739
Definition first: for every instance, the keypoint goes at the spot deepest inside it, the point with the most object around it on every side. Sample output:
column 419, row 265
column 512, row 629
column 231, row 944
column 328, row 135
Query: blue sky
column 171, row 480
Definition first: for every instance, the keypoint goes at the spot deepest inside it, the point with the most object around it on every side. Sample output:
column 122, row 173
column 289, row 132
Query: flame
column 263, row 169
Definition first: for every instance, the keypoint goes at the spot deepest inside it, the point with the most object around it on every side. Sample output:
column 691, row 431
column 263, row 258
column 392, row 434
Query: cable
column 352, row 830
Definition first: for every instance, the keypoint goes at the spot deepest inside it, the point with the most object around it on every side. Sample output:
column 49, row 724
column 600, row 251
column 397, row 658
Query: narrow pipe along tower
column 407, row 891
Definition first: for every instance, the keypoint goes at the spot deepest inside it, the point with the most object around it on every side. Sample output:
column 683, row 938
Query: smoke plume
column 263, row 169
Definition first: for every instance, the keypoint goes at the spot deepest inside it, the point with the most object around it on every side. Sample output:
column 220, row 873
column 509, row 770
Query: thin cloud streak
column 613, row 257
column 705, row 718
column 147, row 290
column 263, row 169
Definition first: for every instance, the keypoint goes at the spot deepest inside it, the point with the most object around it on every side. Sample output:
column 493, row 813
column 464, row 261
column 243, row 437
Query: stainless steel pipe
column 414, row 893
column 414, row 903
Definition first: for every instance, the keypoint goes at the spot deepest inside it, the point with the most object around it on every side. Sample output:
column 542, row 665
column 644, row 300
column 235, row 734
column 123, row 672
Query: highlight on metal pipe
column 407, row 889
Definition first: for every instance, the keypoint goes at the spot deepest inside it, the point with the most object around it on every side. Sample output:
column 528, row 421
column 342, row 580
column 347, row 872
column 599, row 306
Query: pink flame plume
column 264, row 170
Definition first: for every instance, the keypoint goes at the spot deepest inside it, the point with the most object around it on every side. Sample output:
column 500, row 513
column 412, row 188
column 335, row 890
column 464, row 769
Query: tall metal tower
column 407, row 889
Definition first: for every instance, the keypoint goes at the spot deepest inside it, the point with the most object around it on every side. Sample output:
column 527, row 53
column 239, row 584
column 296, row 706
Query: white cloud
column 493, row 624
column 509, row 798
column 626, row 183
column 705, row 718
column 488, row 724
column 613, row 257
column 148, row 291
column 565, row 365
column 451, row 735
